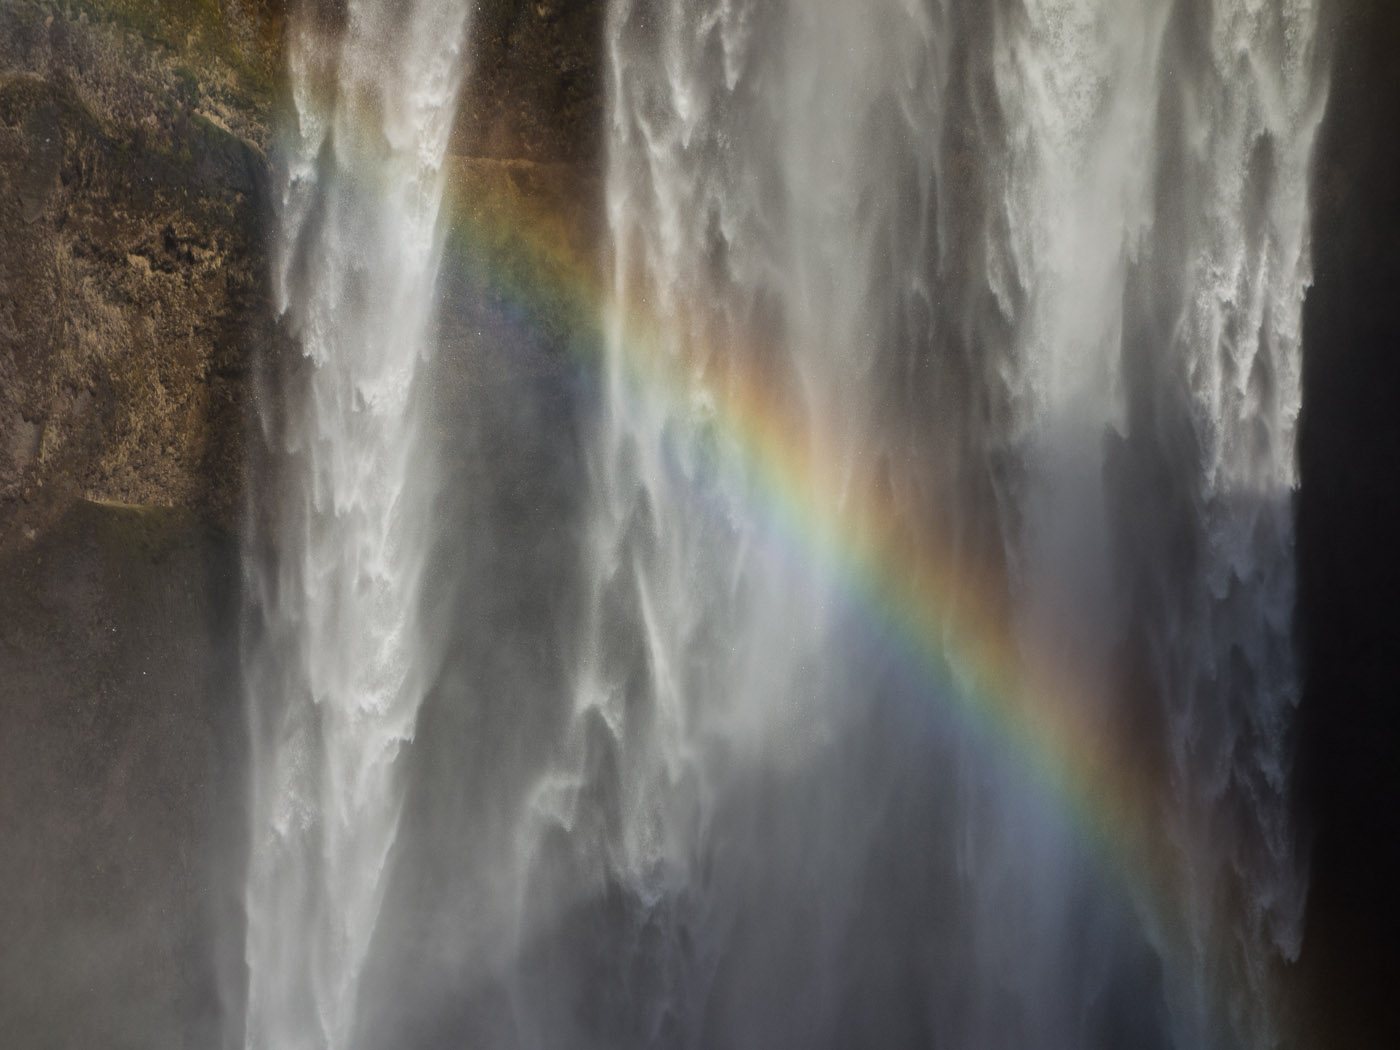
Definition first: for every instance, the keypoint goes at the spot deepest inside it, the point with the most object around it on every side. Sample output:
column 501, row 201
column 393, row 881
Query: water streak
column 337, row 659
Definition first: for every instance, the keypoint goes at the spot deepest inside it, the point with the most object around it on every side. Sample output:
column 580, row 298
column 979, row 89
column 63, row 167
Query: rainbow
column 513, row 235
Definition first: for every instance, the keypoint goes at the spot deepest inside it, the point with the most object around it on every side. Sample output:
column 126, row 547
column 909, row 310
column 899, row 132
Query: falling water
column 1004, row 296
column 337, row 659
column 1030, row 273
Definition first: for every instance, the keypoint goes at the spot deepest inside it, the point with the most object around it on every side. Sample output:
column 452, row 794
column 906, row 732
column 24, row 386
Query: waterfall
column 337, row 659
column 1025, row 279
column 886, row 638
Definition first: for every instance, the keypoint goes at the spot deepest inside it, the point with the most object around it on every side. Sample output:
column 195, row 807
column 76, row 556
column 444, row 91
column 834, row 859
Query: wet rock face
column 536, row 83
column 133, row 279
column 120, row 736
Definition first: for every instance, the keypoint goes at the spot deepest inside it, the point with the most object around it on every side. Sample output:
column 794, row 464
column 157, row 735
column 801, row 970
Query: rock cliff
column 135, row 310
column 133, row 172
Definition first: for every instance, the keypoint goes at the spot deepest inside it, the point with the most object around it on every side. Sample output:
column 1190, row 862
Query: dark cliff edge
column 1348, row 555
column 135, row 309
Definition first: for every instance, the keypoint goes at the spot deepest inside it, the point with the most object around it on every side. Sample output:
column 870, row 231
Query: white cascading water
column 1155, row 184
column 1010, row 288
column 337, row 662
column 1039, row 268
column 1224, row 658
